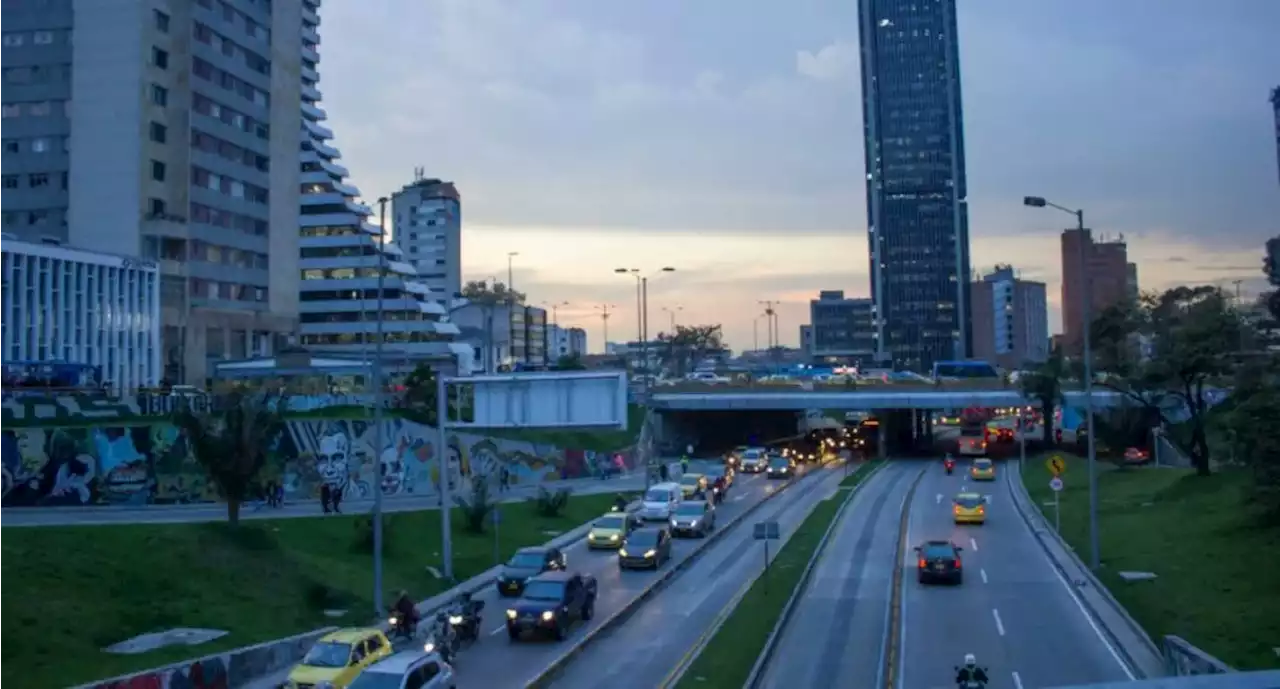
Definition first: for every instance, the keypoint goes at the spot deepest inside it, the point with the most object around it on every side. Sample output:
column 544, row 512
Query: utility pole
column 376, row 381
column 771, row 324
column 604, row 323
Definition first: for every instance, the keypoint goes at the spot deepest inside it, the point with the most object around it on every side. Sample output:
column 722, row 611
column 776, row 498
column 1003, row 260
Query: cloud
column 835, row 62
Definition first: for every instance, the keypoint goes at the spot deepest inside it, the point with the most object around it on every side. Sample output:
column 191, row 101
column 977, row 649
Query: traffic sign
column 1056, row 465
column 767, row 531
column 1056, row 484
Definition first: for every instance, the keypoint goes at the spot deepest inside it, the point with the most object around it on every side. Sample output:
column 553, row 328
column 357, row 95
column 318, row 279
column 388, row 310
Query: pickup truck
column 551, row 602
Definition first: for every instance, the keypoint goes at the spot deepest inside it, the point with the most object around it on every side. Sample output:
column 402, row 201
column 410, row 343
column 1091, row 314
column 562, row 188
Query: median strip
column 745, row 631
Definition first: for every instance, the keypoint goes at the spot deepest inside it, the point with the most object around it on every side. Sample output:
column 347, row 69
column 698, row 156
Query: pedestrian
column 504, row 479
column 663, row 472
column 279, row 496
column 336, row 494
column 325, row 498
column 269, row 493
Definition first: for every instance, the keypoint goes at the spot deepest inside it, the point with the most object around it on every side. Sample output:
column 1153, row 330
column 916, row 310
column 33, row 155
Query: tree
column 232, row 439
column 569, row 362
column 1044, row 385
column 419, row 397
column 689, row 344
column 487, row 294
column 1250, row 427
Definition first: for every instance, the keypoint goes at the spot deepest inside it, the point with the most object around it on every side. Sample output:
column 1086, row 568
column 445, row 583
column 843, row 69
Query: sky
column 723, row 138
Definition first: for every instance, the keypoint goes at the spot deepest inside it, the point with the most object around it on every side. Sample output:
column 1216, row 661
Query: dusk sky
column 724, row 138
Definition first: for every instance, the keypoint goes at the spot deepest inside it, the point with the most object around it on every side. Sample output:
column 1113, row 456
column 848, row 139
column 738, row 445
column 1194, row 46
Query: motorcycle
column 466, row 623
column 402, row 628
column 971, row 683
column 442, row 639
column 950, row 466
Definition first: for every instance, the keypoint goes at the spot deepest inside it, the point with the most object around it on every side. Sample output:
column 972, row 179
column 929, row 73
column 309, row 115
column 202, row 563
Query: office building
column 82, row 307
column 1106, row 273
column 1275, row 104
column 917, row 214
column 354, row 280
column 1010, row 320
column 180, row 146
column 562, row 341
column 806, row 340
column 427, row 217
column 843, row 329
column 504, row 335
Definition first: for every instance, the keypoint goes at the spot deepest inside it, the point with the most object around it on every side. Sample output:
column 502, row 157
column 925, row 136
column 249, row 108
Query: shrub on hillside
column 476, row 507
column 551, row 503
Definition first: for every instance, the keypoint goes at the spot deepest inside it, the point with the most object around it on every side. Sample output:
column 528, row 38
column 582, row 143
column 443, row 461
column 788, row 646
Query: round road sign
column 1056, row 484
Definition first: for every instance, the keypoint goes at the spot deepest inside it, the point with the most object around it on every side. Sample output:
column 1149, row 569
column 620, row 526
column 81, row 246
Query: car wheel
column 559, row 632
column 513, row 635
column 959, row 579
column 920, row 578
column 589, row 611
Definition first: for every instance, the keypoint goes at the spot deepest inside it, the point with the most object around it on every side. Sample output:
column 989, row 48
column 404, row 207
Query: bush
column 551, row 504
column 362, row 535
column 477, row 507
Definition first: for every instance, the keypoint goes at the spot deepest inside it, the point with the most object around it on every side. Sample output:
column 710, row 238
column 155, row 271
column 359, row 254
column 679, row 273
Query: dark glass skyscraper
column 917, row 215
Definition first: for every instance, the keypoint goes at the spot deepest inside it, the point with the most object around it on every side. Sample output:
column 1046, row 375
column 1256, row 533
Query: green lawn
column 1217, row 584
column 725, row 661
column 69, row 591
column 598, row 440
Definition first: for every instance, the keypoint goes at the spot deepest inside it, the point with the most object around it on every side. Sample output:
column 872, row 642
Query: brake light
column 956, row 509
column 957, row 563
column 923, row 564
column 981, row 509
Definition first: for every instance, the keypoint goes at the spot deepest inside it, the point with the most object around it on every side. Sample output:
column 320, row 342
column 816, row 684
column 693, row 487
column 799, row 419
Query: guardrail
column 1182, row 659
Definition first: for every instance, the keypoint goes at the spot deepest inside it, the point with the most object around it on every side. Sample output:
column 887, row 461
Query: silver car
column 407, row 670
column 693, row 518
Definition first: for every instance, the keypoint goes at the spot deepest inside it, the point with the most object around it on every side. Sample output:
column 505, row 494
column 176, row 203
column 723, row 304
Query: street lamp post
column 1086, row 316
column 672, row 313
column 642, row 302
column 376, row 381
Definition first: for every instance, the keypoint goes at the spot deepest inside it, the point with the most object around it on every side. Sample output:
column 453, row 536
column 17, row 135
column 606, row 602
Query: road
column 1013, row 611
column 835, row 636
column 644, row 651
column 100, row 515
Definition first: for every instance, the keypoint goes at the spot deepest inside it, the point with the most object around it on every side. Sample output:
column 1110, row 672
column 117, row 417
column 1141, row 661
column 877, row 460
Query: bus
column 973, row 439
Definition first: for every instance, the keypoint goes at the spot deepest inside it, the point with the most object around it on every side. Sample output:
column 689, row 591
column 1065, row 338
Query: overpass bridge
column 923, row 396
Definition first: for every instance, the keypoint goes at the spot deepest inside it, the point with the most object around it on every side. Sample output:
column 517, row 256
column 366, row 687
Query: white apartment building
column 82, row 307
column 179, row 146
column 342, row 256
column 562, row 341
column 427, row 217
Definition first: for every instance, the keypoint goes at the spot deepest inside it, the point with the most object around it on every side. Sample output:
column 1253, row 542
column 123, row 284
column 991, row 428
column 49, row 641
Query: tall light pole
column 672, row 313
column 1086, row 310
column 604, row 324
column 771, row 325
column 555, row 310
column 377, row 382
column 642, row 285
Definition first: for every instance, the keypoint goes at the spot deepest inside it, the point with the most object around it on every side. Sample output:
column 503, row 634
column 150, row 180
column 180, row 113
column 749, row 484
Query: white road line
column 939, row 500
column 1017, row 680
column 739, row 498
column 499, row 630
column 964, row 488
column 973, row 545
column 983, row 573
column 999, row 625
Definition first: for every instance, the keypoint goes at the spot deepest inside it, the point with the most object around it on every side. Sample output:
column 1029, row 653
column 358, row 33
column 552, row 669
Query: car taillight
column 956, row 509
column 923, row 564
column 981, row 509
column 957, row 564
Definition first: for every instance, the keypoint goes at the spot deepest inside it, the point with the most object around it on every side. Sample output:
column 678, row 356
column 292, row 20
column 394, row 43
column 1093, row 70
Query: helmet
column 970, row 659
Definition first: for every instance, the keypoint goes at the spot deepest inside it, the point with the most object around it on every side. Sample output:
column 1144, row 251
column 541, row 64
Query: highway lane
column 645, row 649
column 836, row 634
column 1013, row 611
column 496, row 663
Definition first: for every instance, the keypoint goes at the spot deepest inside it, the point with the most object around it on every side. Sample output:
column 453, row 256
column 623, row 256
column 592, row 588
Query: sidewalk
column 96, row 515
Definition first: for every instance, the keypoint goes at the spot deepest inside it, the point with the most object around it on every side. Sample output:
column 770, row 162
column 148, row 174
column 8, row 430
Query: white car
column 660, row 501
column 407, row 670
column 708, row 378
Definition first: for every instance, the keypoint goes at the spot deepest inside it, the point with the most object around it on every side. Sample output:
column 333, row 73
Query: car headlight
column 511, row 614
column 673, row 522
column 393, row 620
column 548, row 616
column 455, row 619
column 426, row 648
column 613, row 537
column 622, row 552
column 650, row 553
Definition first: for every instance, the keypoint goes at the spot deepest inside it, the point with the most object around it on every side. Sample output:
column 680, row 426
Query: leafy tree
column 490, row 294
column 231, row 441
column 1044, row 385
column 570, row 362
column 688, row 344
column 476, row 507
column 1250, row 427
column 419, row 397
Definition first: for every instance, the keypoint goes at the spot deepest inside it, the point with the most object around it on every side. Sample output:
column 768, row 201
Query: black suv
column 939, row 561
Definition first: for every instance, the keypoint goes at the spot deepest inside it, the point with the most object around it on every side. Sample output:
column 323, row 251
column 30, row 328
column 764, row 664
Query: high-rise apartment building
column 1010, row 320
column 180, row 145
column 842, row 329
column 917, row 214
column 427, row 216
column 1105, row 273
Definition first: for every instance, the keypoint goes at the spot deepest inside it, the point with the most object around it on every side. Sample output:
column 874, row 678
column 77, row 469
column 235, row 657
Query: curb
column 1024, row 504
column 775, row 634
column 888, row 674
column 548, row 674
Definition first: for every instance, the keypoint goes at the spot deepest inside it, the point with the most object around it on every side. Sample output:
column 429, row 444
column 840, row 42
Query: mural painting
column 152, row 463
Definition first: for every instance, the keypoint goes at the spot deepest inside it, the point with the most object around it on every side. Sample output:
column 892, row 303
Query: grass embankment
column 69, row 591
column 1217, row 584
column 578, row 439
column 726, row 660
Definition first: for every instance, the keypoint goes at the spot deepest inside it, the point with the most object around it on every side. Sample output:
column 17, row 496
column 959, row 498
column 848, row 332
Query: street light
column 642, row 320
column 672, row 313
column 377, row 383
column 555, row 310
column 1086, row 309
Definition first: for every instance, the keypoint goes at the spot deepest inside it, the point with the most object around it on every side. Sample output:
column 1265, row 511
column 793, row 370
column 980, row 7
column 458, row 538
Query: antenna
column 419, row 173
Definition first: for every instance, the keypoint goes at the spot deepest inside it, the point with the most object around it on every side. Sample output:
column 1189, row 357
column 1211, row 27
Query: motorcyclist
column 717, row 490
column 406, row 613
column 620, row 503
column 684, row 464
column 970, row 673
column 469, row 610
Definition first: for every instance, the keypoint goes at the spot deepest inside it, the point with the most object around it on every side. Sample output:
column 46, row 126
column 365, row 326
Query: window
column 10, row 181
column 161, row 21
column 12, row 110
column 157, row 170
column 156, row 206
column 13, row 39
column 40, row 108
column 159, row 58
column 159, row 132
column 38, row 180
column 11, row 145
column 159, row 95
column 40, row 145
column 42, row 38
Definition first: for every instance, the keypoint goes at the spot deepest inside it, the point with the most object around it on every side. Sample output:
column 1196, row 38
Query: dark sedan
column 781, row 467
column 939, row 561
column 645, row 548
column 527, row 563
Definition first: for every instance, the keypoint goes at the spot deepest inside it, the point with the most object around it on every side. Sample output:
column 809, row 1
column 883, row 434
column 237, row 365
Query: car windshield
column 779, row 462
column 544, row 590
column 643, row 539
column 328, row 654
column 968, row 501
column 982, row 464
column 972, row 431
column 690, row 480
column 690, row 510
column 613, row 521
column 939, row 550
column 527, row 560
column 376, row 680
column 657, row 495
column 751, row 454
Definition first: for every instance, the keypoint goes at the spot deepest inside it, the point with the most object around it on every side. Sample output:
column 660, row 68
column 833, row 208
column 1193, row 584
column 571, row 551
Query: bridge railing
column 1182, row 659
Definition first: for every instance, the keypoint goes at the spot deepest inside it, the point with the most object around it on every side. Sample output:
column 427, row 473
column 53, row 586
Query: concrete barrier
column 1140, row 654
column 1182, row 659
column 547, row 676
column 771, row 643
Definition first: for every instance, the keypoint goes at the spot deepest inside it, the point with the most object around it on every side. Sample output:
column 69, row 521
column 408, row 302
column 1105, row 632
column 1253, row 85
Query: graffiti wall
column 152, row 463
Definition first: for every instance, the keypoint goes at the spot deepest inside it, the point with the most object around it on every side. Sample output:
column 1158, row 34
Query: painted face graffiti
column 333, row 459
column 392, row 470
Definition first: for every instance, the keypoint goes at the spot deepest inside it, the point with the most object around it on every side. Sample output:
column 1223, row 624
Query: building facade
column 1010, row 320
column 82, row 307
column 179, row 146
column 1104, row 274
column 842, row 329
column 563, row 342
column 504, row 335
column 1275, row 104
column 427, row 217
column 916, row 193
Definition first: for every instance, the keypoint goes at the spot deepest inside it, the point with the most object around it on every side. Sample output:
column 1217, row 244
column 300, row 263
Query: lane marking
column 973, row 545
column 1017, row 680
column 964, row 488
column 499, row 630
column 983, row 573
column 999, row 625
column 939, row 500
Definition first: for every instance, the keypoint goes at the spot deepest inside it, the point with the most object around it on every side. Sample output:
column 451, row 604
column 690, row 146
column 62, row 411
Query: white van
column 660, row 501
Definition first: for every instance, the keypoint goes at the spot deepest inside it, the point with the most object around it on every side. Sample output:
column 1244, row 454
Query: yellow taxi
column 982, row 470
column 338, row 657
column 969, row 508
column 609, row 531
column 692, row 484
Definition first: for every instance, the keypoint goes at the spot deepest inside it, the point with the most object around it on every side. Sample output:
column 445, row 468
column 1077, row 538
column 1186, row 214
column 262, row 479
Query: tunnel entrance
column 712, row 433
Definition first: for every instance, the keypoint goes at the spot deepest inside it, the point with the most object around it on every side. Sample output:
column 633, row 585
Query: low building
column 504, row 336
column 82, row 308
column 562, row 341
column 1010, row 320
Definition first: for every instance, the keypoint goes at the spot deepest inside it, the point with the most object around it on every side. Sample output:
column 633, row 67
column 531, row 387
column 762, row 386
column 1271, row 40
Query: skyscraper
column 917, row 214
column 427, row 221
